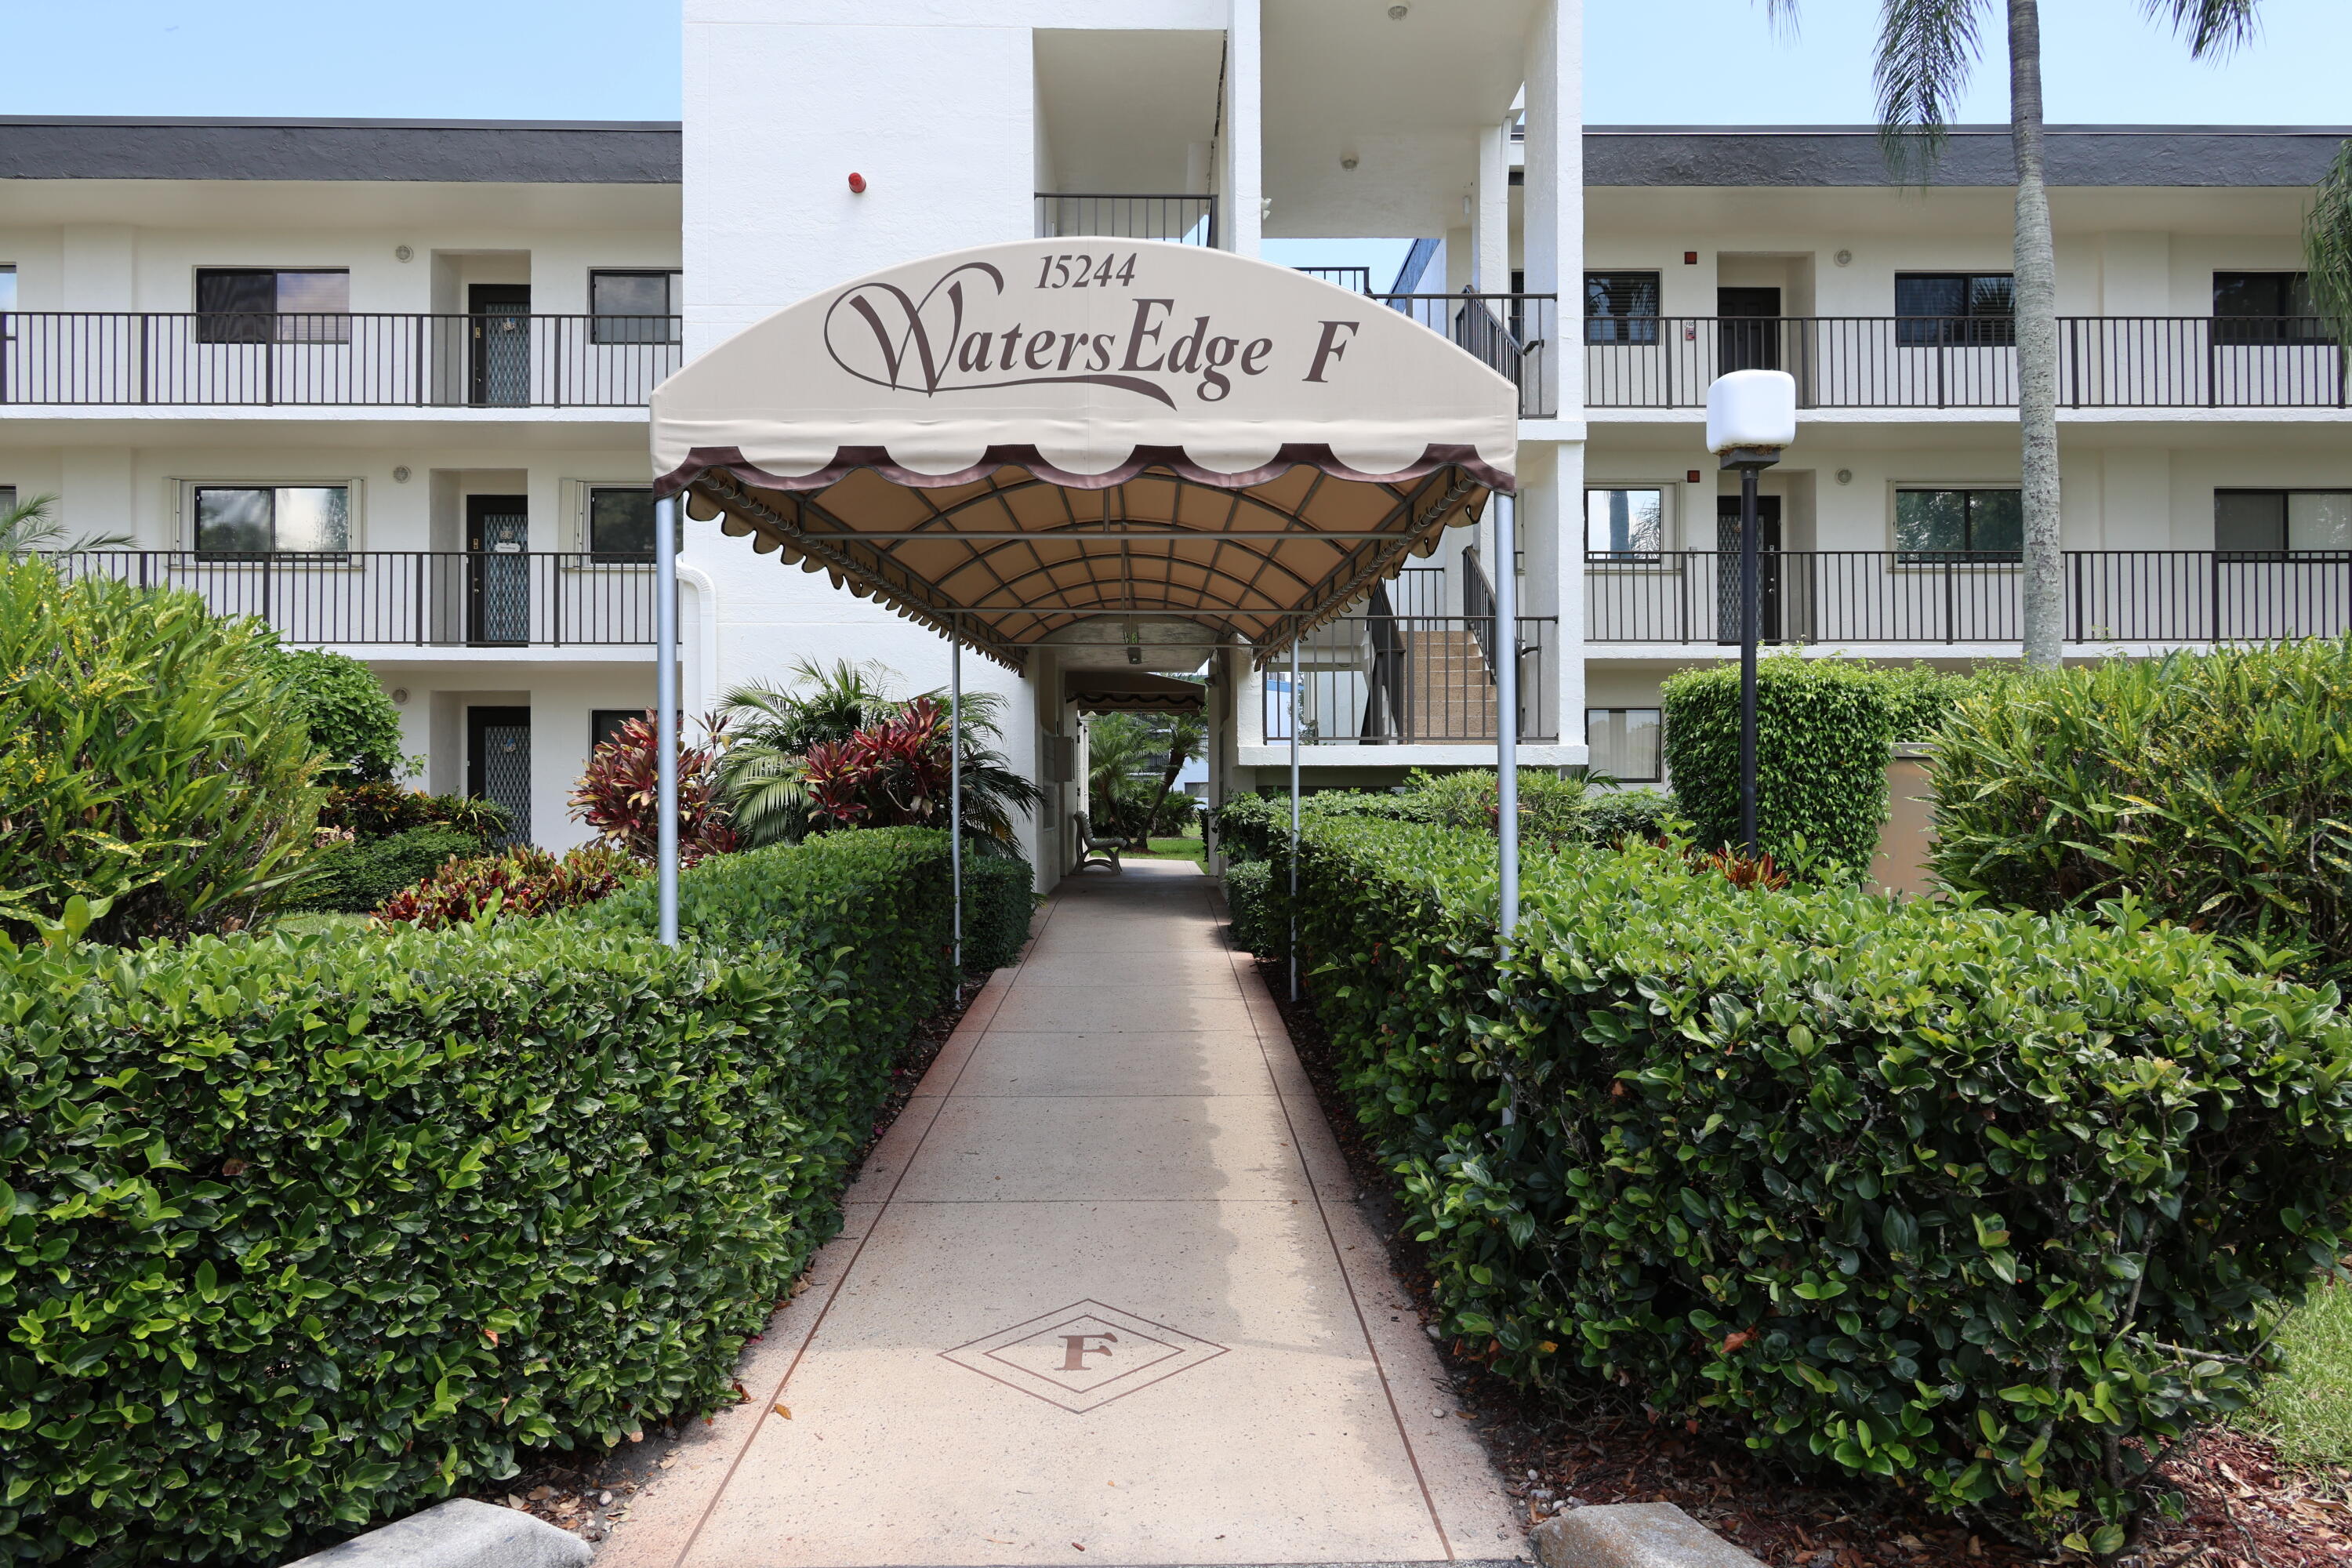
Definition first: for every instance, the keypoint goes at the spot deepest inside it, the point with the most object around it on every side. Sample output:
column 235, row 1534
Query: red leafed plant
column 894, row 773
column 617, row 795
column 525, row 880
column 1742, row 871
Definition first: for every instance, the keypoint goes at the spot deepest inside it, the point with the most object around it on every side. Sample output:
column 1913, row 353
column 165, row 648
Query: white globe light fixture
column 1751, row 415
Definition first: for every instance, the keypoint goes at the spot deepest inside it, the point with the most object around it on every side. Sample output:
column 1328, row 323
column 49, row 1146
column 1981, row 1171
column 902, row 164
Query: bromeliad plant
column 619, row 795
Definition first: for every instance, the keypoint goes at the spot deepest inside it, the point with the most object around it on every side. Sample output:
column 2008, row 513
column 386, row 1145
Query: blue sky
column 1647, row 62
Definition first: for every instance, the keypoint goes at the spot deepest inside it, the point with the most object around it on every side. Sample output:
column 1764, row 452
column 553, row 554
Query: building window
column 1624, row 743
column 605, row 723
column 1956, row 524
column 1976, row 309
column 2265, row 308
column 621, row 522
column 266, row 520
column 1628, row 524
column 258, row 305
column 633, row 307
column 2269, row 524
column 1621, row 307
column 8, row 288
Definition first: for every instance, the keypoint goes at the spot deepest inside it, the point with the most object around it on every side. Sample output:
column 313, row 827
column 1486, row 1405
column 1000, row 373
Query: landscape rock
column 1633, row 1535
column 460, row 1534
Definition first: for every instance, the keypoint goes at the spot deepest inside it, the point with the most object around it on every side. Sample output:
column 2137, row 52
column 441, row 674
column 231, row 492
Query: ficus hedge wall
column 2216, row 788
column 1974, row 1203
column 1822, row 725
column 305, row 1234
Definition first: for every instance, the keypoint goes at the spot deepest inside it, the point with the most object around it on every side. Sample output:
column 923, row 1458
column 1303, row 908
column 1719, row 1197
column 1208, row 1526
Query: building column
column 1245, row 181
column 1490, row 271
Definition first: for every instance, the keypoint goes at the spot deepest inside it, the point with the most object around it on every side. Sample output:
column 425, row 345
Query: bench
column 1094, row 851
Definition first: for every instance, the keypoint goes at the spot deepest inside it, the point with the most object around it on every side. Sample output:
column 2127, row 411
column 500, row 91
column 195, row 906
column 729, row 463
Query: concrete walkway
column 1104, row 1296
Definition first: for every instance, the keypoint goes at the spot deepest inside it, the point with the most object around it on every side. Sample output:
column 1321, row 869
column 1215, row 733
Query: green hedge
column 1249, row 901
column 2216, row 789
column 1900, row 1190
column 309, row 1233
column 1824, row 726
column 999, row 898
column 355, row 877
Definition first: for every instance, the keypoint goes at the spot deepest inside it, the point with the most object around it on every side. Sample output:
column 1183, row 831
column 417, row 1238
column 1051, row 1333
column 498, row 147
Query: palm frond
column 2327, row 246
column 1926, row 51
column 1783, row 16
column 32, row 525
column 2213, row 27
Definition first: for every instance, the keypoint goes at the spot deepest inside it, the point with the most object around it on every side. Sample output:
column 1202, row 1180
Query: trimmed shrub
column 2215, row 789
column 378, row 809
column 999, row 898
column 1248, row 895
column 1980, row 1204
column 311, row 1232
column 1822, row 727
column 1256, row 826
column 1614, row 816
column 349, row 717
column 1551, row 808
column 358, row 876
column 149, row 764
column 524, row 881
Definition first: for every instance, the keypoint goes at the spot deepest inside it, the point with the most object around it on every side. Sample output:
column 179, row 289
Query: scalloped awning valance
column 1005, row 441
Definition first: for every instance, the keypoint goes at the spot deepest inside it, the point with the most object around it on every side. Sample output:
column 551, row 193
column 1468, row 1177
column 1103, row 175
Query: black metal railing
column 214, row 358
column 1832, row 597
column 1511, row 333
column 423, row 598
column 1929, row 361
column 1354, row 279
column 1187, row 220
column 1399, row 679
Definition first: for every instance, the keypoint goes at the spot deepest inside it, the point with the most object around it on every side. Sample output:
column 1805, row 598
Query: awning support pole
column 666, row 716
column 1294, row 818
column 955, row 779
column 1505, row 644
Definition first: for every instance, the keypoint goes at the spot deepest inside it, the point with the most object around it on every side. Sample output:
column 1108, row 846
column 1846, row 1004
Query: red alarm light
column 857, row 184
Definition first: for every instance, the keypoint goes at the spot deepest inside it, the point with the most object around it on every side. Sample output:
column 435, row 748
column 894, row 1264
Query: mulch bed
column 589, row 1494
column 2241, row 1507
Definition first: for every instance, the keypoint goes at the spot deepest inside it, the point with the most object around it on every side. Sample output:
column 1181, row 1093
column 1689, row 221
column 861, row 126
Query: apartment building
column 386, row 383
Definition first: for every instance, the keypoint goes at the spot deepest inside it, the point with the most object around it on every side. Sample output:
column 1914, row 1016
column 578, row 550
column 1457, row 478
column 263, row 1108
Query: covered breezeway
column 1104, row 1287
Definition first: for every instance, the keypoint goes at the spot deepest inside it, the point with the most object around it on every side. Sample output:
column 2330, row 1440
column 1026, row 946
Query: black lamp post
column 1751, row 415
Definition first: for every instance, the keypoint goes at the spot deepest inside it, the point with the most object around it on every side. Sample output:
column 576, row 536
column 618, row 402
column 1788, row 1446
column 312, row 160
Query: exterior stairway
column 1449, row 692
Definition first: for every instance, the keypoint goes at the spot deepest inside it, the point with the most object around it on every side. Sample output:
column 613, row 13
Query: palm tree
column 32, row 525
column 2327, row 247
column 1185, row 735
column 1926, row 49
column 1117, row 747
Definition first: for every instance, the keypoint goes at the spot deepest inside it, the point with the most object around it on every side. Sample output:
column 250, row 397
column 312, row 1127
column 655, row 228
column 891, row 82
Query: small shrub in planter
column 525, row 880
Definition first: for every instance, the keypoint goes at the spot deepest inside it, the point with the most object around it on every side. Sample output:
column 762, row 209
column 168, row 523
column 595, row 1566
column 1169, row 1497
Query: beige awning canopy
column 1133, row 691
column 1006, row 441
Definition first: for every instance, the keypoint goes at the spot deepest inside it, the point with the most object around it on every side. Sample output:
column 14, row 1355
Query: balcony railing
column 1354, row 279
column 1186, row 220
column 1512, row 333
column 421, row 598
column 1929, row 361
column 1407, row 680
column 222, row 359
column 1833, row 597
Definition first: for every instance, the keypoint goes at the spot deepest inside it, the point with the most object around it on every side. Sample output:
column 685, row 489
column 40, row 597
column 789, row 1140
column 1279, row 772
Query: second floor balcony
column 1838, row 597
column 418, row 598
column 332, row 360
column 1934, row 362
